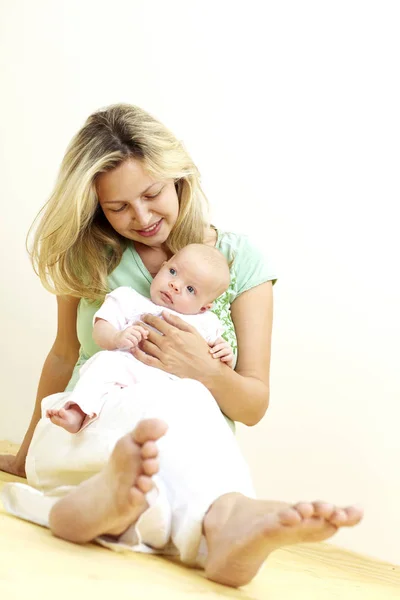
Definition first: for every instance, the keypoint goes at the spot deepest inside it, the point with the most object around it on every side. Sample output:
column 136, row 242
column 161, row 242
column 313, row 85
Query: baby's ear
column 206, row 307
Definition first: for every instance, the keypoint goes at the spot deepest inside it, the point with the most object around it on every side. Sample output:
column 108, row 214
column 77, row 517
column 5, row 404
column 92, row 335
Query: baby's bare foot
column 111, row 501
column 70, row 418
column 242, row 532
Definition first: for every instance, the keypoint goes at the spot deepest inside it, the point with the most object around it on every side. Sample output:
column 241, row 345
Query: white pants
column 199, row 461
column 102, row 372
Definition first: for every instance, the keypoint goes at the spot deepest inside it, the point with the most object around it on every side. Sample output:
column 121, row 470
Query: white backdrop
column 291, row 111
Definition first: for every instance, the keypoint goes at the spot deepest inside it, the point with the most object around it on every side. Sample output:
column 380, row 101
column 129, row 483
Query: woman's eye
column 154, row 195
column 190, row 289
column 117, row 210
column 172, row 271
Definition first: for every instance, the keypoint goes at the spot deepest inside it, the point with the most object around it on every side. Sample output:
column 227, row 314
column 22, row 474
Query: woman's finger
column 146, row 359
column 157, row 323
column 177, row 322
column 154, row 336
column 151, row 349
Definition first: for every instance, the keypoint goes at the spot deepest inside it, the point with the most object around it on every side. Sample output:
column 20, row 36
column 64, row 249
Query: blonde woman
column 128, row 196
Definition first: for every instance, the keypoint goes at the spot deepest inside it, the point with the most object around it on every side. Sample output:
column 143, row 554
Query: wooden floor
column 34, row 564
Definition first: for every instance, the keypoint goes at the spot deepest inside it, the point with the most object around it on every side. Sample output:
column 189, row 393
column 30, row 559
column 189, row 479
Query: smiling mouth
column 149, row 229
column 167, row 297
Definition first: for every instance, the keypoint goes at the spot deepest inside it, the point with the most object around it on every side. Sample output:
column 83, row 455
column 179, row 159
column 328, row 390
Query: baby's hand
column 130, row 337
column 222, row 350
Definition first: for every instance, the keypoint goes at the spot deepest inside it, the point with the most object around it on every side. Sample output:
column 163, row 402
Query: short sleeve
column 111, row 311
column 117, row 307
column 251, row 266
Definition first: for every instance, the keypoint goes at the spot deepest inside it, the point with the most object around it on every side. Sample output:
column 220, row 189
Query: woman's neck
column 152, row 258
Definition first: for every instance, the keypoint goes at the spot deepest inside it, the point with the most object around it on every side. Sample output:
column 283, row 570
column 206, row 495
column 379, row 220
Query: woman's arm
column 56, row 373
column 243, row 395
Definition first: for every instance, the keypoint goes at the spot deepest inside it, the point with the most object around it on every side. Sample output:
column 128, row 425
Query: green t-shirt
column 248, row 269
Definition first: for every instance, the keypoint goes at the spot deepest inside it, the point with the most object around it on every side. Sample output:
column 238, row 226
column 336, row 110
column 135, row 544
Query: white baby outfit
column 122, row 308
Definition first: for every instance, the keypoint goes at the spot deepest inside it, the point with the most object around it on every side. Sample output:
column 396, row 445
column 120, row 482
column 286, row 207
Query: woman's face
column 136, row 205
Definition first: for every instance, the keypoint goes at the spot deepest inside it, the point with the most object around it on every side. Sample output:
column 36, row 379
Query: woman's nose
column 141, row 216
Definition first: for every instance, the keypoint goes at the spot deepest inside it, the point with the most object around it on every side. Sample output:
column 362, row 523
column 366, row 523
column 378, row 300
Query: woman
column 128, row 196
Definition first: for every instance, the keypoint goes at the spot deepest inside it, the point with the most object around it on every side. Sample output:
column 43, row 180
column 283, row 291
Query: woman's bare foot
column 112, row 500
column 70, row 418
column 242, row 532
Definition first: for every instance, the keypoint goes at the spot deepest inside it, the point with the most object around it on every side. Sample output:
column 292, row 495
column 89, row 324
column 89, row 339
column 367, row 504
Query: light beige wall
column 291, row 111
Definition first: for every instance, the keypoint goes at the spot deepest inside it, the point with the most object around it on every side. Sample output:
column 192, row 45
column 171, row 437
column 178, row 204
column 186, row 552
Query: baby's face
column 183, row 286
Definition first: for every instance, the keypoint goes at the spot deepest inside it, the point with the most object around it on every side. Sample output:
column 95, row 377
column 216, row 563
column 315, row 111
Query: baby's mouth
column 167, row 296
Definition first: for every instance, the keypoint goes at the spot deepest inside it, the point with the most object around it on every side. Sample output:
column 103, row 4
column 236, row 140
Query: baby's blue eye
column 172, row 271
column 190, row 289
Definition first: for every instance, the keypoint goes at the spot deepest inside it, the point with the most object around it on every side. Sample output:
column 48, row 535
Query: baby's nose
column 173, row 285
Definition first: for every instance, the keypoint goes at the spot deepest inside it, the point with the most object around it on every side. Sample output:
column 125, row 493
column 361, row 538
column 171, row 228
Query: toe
column 338, row 517
column 324, row 509
column 136, row 496
column 149, row 429
column 149, row 450
column 151, row 466
column 144, row 483
column 305, row 509
column 289, row 516
column 354, row 515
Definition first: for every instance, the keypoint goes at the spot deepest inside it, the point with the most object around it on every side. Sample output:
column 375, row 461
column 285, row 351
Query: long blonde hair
column 74, row 248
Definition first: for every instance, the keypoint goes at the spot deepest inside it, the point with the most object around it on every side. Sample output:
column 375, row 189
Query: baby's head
column 191, row 280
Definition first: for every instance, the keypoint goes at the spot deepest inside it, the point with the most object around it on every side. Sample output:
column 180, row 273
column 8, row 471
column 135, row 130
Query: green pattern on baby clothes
column 222, row 308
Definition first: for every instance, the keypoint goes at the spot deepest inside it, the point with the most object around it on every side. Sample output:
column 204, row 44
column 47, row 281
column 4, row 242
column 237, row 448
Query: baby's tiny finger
column 223, row 346
column 226, row 358
column 144, row 333
column 219, row 354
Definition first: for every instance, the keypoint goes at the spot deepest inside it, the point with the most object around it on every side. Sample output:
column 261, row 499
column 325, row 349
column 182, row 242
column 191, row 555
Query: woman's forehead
column 127, row 180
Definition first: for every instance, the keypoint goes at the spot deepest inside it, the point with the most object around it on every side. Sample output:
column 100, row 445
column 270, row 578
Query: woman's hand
column 177, row 348
column 10, row 464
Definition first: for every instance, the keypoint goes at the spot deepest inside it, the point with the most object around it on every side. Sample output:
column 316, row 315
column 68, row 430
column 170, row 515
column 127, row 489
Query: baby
column 186, row 285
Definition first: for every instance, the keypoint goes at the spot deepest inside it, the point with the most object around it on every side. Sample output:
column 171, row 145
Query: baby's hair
column 216, row 262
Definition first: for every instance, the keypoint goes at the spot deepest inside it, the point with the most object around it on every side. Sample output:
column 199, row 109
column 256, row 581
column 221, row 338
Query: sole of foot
column 80, row 517
column 251, row 529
